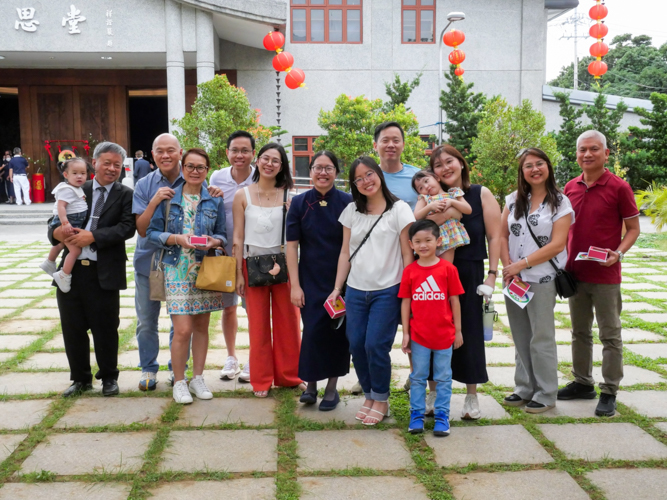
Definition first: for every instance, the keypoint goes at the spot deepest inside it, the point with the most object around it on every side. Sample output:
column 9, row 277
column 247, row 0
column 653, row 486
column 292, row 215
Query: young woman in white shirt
column 536, row 205
column 375, row 226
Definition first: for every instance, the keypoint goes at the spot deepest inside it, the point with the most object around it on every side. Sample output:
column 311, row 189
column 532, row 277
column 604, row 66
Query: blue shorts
column 75, row 220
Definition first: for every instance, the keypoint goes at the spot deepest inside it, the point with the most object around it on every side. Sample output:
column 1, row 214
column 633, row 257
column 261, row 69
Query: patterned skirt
column 453, row 234
column 184, row 298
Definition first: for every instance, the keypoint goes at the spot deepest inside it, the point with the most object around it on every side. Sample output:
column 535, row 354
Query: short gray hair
column 109, row 147
column 593, row 134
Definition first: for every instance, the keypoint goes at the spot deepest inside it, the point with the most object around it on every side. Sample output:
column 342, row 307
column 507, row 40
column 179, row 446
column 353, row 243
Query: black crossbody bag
column 566, row 285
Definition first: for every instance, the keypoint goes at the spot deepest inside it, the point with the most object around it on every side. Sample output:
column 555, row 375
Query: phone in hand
column 198, row 241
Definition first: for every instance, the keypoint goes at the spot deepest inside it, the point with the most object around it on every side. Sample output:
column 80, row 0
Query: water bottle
column 490, row 315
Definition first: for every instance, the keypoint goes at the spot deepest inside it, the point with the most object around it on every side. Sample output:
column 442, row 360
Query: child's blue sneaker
column 416, row 422
column 441, row 427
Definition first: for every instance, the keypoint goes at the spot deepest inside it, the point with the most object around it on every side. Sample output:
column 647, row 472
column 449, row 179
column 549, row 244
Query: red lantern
column 454, row 38
column 283, row 61
column 274, row 41
column 456, row 57
column 599, row 49
column 598, row 12
column 597, row 68
column 459, row 71
column 295, row 79
column 598, row 30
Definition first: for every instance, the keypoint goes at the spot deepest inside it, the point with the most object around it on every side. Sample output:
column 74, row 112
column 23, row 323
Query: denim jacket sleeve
column 155, row 233
column 220, row 229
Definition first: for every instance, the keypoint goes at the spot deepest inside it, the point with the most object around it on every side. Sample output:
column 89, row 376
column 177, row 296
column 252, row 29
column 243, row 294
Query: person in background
column 141, row 167
column 18, row 176
column 6, row 186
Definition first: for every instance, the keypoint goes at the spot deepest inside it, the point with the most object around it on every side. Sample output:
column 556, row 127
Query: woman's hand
column 334, row 296
column 405, row 347
column 211, row 243
column 183, row 240
column 240, row 283
column 513, row 269
column 458, row 339
column 297, row 297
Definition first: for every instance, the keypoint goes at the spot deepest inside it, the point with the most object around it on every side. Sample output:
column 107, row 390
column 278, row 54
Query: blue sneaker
column 148, row 381
column 441, row 427
column 416, row 422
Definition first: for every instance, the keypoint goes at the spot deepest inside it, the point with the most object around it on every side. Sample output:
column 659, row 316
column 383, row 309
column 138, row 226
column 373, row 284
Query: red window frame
column 429, row 145
column 418, row 8
column 300, row 154
column 308, row 6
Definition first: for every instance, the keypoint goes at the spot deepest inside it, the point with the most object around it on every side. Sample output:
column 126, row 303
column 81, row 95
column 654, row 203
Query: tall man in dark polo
column 93, row 303
column 602, row 202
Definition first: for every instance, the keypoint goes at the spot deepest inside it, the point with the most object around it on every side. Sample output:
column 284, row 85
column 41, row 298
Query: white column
column 175, row 61
column 205, row 47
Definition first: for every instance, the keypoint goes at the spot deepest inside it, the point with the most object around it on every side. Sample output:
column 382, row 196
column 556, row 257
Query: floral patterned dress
column 183, row 298
column 453, row 233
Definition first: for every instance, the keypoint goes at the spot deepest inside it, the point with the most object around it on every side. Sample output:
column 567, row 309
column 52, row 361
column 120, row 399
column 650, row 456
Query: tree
column 351, row 123
column 219, row 109
column 566, row 139
column 463, row 109
column 503, row 133
column 605, row 120
column 399, row 92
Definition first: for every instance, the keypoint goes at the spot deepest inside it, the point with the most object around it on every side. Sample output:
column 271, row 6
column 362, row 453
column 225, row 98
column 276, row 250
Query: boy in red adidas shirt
column 430, row 288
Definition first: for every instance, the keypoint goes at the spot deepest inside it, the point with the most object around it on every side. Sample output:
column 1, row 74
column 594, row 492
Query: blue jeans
column 372, row 321
column 442, row 374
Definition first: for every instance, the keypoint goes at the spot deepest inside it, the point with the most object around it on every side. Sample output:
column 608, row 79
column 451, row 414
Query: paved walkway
column 237, row 446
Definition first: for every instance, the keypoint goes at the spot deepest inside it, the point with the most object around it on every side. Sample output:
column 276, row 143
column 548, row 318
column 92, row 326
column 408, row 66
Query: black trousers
column 88, row 307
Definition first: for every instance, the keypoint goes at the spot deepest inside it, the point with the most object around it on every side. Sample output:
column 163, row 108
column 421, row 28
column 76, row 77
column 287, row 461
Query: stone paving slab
column 652, row 317
column 249, row 411
column 563, row 335
column 33, row 383
column 41, row 313
column 70, row 454
column 656, row 277
column 42, row 285
column 632, row 375
column 242, row 489
column 50, row 302
column 637, row 335
column 128, row 381
column 362, row 488
column 12, row 274
column 639, row 306
column 653, row 351
column 336, row 450
column 58, row 342
column 242, row 339
column 4, row 356
column 163, row 339
column 489, row 407
column 28, row 326
column 18, row 415
column 503, row 376
column 399, row 358
column 190, row 451
column 652, row 295
column 46, row 360
column 22, row 293
column 635, row 484
column 15, row 302
column 650, row 403
column 591, row 441
column 93, row 412
column 500, row 355
column 522, row 485
column 215, row 384
column 640, row 286
column 65, row 491
column 8, row 443
column 662, row 426
column 488, row 444
column 214, row 357
column 16, row 342
column 344, row 412
column 637, row 270
column 575, row 408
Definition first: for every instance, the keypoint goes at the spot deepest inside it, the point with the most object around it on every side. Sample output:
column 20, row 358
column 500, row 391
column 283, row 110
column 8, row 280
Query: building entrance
column 148, row 118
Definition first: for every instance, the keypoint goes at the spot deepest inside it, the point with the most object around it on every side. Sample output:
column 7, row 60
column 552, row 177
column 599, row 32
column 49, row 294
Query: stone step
column 24, row 221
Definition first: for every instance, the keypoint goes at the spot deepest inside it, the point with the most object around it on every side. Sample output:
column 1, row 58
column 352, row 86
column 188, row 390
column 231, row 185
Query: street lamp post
column 451, row 17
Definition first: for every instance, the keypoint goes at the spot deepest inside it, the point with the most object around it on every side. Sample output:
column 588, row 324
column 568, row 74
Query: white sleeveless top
column 262, row 228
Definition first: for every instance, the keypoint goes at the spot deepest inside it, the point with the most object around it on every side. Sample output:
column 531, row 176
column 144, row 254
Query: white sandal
column 378, row 420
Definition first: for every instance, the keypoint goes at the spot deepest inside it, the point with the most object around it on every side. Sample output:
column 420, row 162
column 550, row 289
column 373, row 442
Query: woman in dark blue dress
column 312, row 225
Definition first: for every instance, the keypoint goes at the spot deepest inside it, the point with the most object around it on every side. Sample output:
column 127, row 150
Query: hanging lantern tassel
column 47, row 146
column 283, row 61
column 295, row 78
column 274, row 41
column 86, row 147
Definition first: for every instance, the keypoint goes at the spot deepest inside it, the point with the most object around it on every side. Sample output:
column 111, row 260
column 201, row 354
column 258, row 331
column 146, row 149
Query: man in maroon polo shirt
column 602, row 202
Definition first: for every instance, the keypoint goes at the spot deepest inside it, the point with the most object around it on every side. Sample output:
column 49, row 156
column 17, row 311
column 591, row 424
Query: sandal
column 261, row 394
column 364, row 413
column 377, row 420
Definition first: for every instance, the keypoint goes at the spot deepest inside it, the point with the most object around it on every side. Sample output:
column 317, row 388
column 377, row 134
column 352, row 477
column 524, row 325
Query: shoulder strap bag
column 366, row 237
column 156, row 274
column 217, row 272
column 566, row 285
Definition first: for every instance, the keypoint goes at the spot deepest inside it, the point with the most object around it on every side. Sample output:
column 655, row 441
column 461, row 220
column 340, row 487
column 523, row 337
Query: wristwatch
column 495, row 273
column 620, row 255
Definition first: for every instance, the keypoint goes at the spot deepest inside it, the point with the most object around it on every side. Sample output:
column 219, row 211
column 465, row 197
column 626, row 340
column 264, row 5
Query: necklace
column 268, row 196
column 264, row 224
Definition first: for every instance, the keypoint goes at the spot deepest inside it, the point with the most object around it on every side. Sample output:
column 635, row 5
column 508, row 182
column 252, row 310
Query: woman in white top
column 375, row 250
column 258, row 221
column 538, row 206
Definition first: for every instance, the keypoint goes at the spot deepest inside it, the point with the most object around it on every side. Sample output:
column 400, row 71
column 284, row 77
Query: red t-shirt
column 599, row 210
column 431, row 325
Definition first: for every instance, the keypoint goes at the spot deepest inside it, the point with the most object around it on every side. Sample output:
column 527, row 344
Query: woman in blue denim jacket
column 192, row 212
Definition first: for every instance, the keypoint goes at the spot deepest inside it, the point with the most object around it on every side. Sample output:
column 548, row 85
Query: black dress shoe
column 309, row 398
column 110, row 388
column 77, row 388
column 330, row 405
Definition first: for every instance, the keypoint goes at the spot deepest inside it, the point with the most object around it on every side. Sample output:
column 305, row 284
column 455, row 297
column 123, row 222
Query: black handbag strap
column 366, row 237
column 282, row 231
column 558, row 271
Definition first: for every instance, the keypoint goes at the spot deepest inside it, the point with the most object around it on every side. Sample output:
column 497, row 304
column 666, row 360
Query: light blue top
column 400, row 184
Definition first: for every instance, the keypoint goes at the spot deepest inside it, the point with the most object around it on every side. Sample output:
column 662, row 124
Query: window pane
column 300, row 144
column 409, row 26
column 354, row 2
column 298, row 2
column 301, row 166
column 426, row 26
column 353, row 25
column 409, row 2
column 426, row 2
column 317, row 25
column 335, row 25
column 335, row 2
column 299, row 25
column 316, row 2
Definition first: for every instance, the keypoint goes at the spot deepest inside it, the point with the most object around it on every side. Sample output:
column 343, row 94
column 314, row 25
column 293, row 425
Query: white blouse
column 541, row 222
column 379, row 263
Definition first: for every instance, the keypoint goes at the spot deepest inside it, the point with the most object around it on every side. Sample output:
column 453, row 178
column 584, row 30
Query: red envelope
column 198, row 241
column 518, row 287
column 335, row 310
column 597, row 253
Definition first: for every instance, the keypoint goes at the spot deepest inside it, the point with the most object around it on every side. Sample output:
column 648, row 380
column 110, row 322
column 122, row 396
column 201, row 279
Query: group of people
column 404, row 246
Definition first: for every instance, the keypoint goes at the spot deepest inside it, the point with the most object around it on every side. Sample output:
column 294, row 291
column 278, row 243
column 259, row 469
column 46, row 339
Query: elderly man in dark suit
column 93, row 303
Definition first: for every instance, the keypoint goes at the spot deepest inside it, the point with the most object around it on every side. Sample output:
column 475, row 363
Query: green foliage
column 399, row 92
column 350, row 125
column 604, row 119
column 220, row 109
column 503, row 133
column 463, row 109
column 653, row 201
column 566, row 139
column 636, row 68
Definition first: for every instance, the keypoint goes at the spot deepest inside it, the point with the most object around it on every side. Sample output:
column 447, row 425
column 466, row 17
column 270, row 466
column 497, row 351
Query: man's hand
column 215, row 191
column 612, row 258
column 164, row 193
column 81, row 238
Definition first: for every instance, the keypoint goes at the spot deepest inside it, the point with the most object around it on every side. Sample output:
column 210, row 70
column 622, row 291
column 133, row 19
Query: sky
column 638, row 17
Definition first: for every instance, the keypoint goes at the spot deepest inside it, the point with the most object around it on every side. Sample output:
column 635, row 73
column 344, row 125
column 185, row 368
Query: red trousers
column 273, row 358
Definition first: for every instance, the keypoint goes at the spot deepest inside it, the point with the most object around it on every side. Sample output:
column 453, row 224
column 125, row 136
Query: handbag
column 156, row 275
column 217, row 273
column 259, row 266
column 566, row 284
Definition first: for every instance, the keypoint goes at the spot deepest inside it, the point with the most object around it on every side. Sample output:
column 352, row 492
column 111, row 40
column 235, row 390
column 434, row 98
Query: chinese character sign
column 109, row 27
column 73, row 18
column 26, row 21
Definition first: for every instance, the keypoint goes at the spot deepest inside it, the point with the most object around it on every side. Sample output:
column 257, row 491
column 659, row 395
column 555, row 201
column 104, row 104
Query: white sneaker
column 231, row 369
column 64, row 281
column 49, row 267
column 181, row 393
column 430, row 404
column 471, row 408
column 199, row 389
column 245, row 374
column 170, row 380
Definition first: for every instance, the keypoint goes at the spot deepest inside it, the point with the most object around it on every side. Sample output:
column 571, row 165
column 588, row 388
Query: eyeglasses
column 199, row 168
column 329, row 169
column 362, row 180
column 276, row 162
column 244, row 152
column 530, row 166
